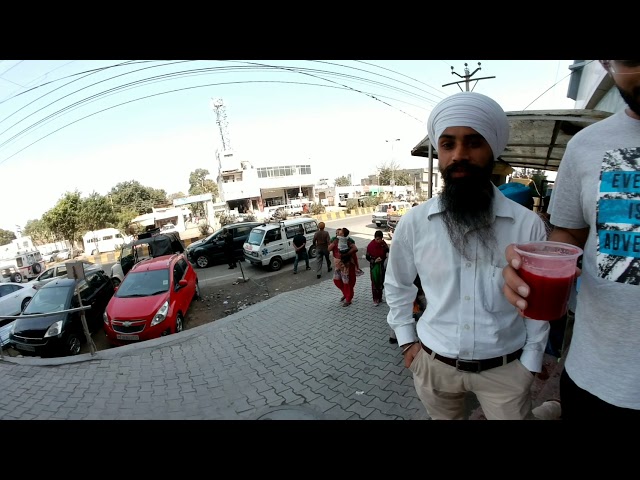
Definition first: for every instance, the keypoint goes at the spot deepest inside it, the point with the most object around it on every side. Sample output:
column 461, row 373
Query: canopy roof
column 538, row 138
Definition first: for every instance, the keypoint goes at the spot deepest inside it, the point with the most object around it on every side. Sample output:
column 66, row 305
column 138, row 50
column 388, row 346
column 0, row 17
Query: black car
column 62, row 334
column 210, row 251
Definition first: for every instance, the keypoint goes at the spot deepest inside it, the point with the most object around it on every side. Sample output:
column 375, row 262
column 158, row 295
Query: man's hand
column 410, row 354
column 515, row 289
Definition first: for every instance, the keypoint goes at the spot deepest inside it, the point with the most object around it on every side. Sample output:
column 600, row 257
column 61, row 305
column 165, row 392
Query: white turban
column 470, row 109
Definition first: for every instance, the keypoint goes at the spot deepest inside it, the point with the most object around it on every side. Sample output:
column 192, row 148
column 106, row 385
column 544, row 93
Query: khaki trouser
column 503, row 392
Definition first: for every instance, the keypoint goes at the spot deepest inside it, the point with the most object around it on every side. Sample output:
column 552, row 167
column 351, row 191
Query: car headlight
column 161, row 314
column 13, row 327
column 105, row 319
column 54, row 330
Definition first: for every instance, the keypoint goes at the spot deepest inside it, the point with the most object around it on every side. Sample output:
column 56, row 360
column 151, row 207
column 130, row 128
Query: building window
column 283, row 171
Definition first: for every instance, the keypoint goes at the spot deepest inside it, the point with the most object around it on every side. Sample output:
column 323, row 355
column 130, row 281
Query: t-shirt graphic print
column 618, row 217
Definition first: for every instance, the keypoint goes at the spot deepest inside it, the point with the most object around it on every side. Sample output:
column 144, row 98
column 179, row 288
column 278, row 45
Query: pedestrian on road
column 377, row 252
column 300, row 246
column 601, row 376
column 321, row 240
column 227, row 236
column 344, row 276
column 469, row 339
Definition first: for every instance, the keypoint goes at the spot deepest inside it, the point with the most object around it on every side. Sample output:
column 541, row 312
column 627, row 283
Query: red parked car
column 152, row 300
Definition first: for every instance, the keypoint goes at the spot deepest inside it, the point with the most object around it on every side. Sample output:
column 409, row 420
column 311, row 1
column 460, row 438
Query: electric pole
column 467, row 77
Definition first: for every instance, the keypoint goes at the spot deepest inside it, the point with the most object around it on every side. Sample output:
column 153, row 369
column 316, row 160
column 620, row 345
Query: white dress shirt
column 467, row 315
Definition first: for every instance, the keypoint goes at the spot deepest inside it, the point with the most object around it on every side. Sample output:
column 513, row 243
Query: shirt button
column 466, row 297
column 468, row 264
column 467, row 327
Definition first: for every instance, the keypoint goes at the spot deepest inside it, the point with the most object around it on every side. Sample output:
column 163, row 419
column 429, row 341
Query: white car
column 63, row 255
column 51, row 273
column 50, row 257
column 14, row 297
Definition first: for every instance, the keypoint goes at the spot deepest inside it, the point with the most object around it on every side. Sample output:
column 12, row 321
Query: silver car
column 52, row 273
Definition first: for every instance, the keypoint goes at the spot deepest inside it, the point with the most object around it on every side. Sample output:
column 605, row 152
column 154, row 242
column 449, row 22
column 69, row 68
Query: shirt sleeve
column 399, row 287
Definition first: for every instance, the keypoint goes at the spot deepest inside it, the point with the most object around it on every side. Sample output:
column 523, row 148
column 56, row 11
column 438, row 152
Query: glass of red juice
column 549, row 268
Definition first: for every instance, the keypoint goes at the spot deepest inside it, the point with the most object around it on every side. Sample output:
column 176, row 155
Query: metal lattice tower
column 221, row 120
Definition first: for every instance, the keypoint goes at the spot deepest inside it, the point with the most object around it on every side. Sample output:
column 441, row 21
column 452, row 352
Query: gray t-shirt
column 598, row 186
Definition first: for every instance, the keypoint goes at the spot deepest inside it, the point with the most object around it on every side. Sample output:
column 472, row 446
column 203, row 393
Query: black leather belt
column 475, row 366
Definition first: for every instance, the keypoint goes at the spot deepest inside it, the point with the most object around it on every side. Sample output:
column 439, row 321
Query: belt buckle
column 468, row 362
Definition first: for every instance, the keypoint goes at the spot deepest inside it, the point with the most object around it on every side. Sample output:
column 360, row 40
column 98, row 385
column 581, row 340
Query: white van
column 270, row 244
column 26, row 264
column 104, row 240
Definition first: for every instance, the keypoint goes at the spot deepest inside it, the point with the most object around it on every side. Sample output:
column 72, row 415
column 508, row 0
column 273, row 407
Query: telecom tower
column 221, row 120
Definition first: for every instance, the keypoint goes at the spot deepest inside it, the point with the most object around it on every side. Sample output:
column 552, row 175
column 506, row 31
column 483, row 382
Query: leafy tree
column 386, row 173
column 96, row 212
column 342, row 181
column 173, row 196
column 6, row 236
column 38, row 231
column 199, row 184
column 64, row 219
column 132, row 195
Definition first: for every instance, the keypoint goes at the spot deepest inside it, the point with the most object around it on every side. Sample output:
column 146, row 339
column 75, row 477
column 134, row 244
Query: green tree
column 64, row 219
column 38, row 231
column 6, row 236
column 173, row 196
column 132, row 195
column 389, row 171
column 96, row 212
column 342, row 181
column 199, row 184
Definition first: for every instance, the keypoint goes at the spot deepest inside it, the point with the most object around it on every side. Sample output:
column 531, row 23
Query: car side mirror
column 183, row 283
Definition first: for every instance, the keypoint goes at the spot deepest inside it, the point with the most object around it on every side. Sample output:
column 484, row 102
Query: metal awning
column 538, row 137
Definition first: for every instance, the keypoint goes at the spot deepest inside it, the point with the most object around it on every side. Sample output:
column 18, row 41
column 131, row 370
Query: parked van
column 379, row 216
column 104, row 240
column 25, row 264
column 270, row 244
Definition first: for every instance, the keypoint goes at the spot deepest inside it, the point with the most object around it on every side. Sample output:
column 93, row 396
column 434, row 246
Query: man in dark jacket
column 227, row 235
column 300, row 246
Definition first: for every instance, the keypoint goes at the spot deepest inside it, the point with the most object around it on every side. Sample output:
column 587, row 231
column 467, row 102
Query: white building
column 10, row 250
column 246, row 188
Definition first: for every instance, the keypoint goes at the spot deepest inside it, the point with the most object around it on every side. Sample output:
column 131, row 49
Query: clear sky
column 85, row 124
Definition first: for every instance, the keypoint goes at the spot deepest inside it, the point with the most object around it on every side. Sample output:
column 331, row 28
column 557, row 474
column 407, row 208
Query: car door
column 180, row 296
column 240, row 235
column 88, row 296
column 11, row 295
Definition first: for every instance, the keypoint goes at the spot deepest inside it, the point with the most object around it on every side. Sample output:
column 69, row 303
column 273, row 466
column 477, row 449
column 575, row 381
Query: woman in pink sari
column 344, row 276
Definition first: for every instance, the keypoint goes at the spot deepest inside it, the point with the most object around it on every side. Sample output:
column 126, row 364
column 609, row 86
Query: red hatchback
column 152, row 300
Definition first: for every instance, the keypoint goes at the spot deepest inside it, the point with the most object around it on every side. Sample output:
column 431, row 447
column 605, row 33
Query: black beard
column 467, row 206
column 630, row 99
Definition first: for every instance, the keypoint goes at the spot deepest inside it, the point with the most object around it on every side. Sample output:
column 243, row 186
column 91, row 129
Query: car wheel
column 25, row 302
column 94, row 252
column 36, row 268
column 275, row 264
column 312, row 252
column 116, row 282
column 202, row 261
column 179, row 323
column 16, row 277
column 73, row 344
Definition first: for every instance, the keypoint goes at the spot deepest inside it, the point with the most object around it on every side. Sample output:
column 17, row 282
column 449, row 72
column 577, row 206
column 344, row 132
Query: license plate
column 127, row 337
column 28, row 348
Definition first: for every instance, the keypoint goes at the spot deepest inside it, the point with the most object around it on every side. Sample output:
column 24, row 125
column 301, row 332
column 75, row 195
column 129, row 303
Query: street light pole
column 393, row 181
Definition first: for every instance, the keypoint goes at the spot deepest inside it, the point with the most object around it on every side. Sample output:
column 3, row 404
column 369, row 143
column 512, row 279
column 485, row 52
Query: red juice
column 548, row 297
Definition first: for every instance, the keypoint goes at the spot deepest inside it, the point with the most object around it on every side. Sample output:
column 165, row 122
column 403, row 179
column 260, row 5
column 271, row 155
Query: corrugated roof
column 538, row 138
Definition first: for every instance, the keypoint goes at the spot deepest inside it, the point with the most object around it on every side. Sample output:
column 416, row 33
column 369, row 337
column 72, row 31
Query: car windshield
column 144, row 283
column 383, row 208
column 256, row 236
column 46, row 300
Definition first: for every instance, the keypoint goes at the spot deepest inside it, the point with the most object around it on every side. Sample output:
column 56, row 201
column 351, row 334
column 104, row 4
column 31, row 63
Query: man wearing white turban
column 470, row 338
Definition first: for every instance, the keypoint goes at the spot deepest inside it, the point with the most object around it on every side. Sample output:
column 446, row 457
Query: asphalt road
column 361, row 230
